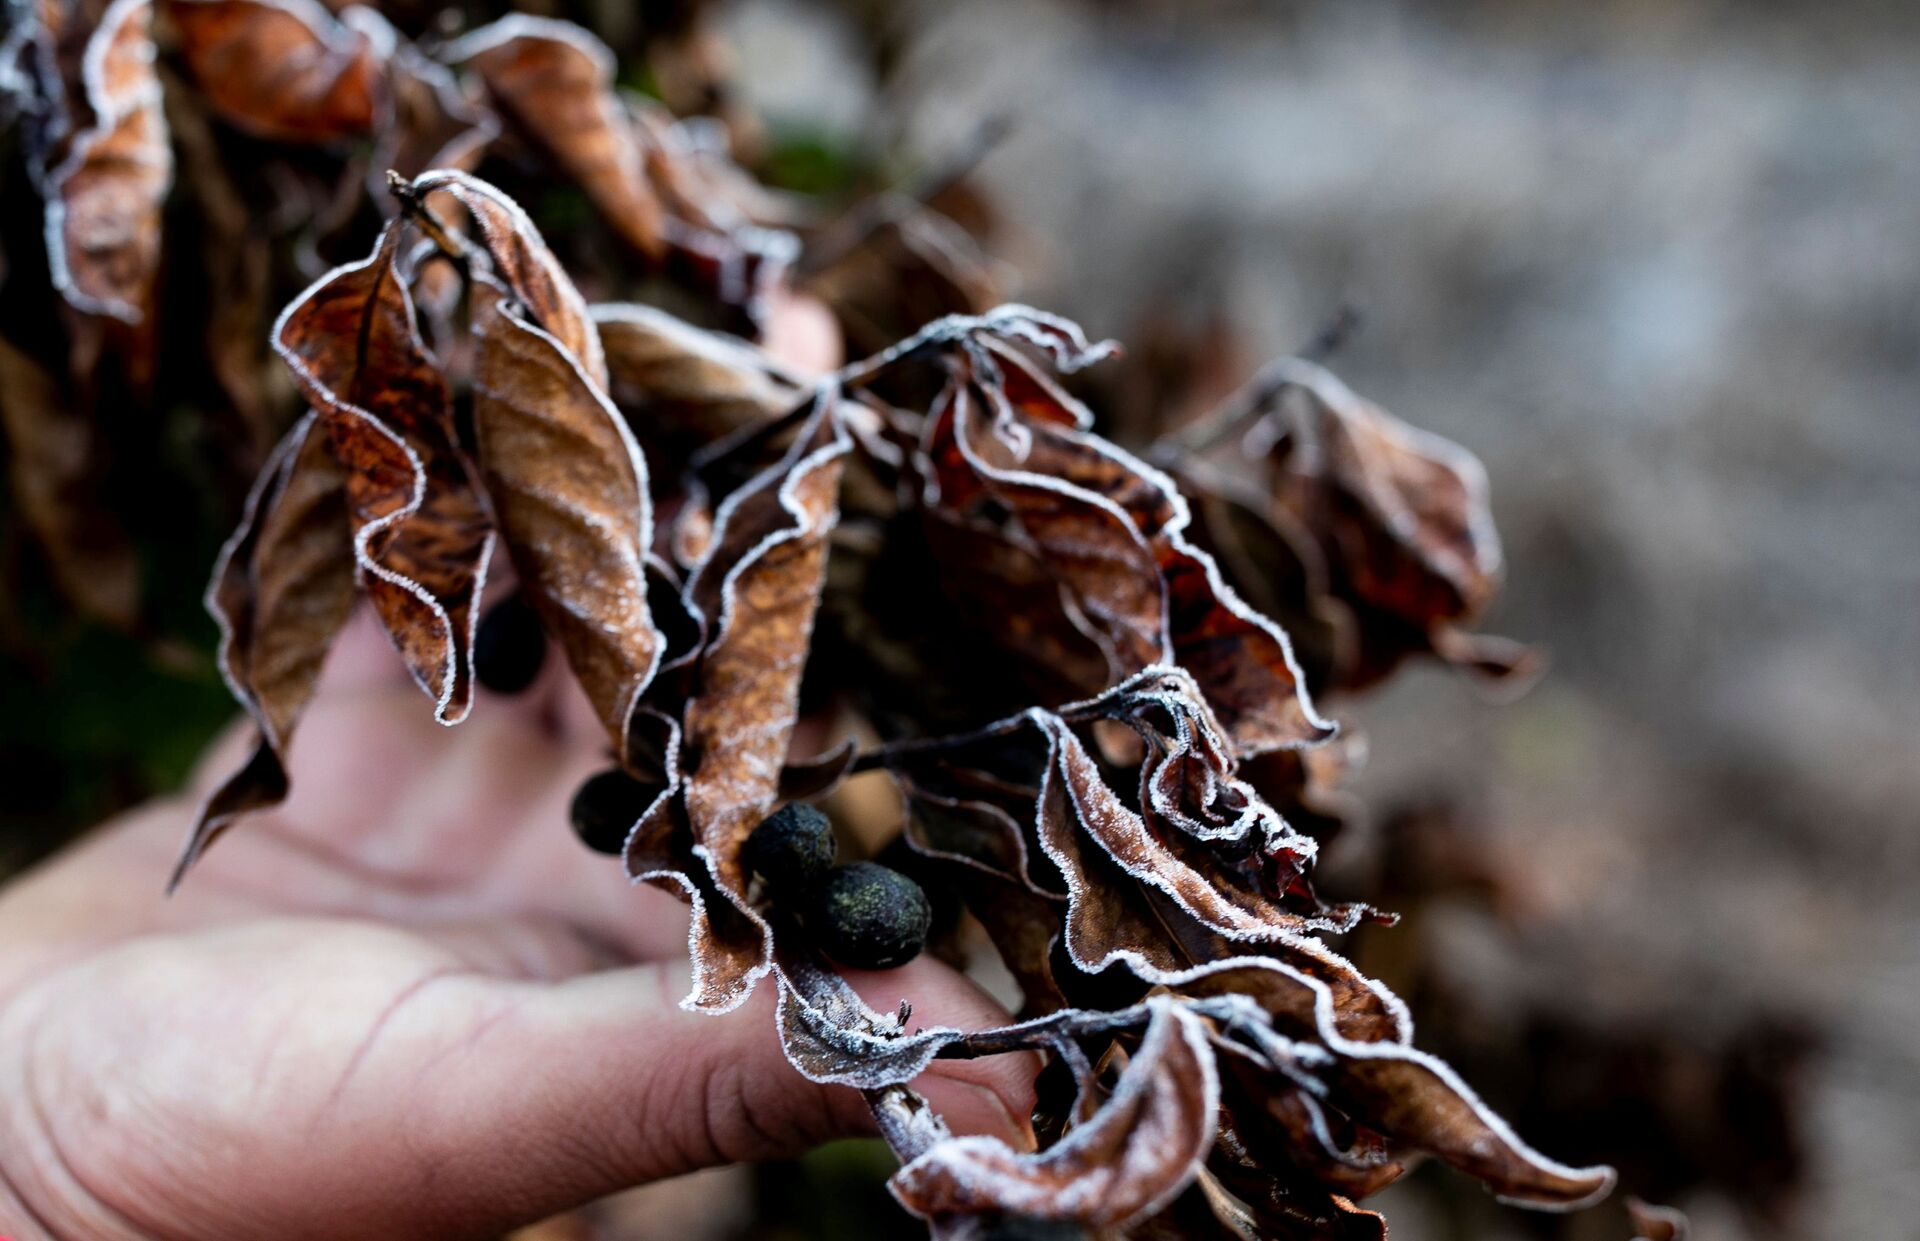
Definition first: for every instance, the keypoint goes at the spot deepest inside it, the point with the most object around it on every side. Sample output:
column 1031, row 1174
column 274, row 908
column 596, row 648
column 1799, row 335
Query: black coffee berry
column 792, row 849
column 867, row 916
column 509, row 647
column 606, row 808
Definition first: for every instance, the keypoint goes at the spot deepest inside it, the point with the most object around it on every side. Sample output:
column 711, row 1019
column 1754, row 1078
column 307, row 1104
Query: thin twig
column 413, row 204
column 883, row 756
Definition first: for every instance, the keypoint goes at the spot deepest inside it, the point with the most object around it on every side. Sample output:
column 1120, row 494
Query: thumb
column 516, row 1100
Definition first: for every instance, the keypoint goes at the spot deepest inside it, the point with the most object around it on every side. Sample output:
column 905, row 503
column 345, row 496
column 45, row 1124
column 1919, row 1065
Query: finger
column 801, row 332
column 523, row 1099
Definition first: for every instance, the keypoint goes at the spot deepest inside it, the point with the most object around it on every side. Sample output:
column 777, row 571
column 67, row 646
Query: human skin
column 406, row 1004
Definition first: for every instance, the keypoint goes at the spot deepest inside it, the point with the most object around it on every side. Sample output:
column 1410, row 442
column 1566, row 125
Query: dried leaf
column 567, row 482
column 422, row 534
column 105, row 193
column 1110, row 528
column 683, row 388
column 282, row 588
column 286, row 70
column 1136, row 1154
column 1403, row 521
column 761, row 585
column 555, row 81
column 1412, row 1097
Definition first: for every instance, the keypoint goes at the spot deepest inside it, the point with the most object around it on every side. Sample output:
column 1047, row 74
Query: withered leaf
column 105, row 193
column 422, row 534
column 286, row 70
column 281, row 589
column 1111, row 529
column 683, row 388
column 1410, row 1096
column 760, row 585
column 555, row 81
column 1188, row 923
column 1135, row 1155
column 568, row 483
column 1403, row 520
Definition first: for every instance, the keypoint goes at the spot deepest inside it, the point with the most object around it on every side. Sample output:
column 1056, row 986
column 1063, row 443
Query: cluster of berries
column 861, row 914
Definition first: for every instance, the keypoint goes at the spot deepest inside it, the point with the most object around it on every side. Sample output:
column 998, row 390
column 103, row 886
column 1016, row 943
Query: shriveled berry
column 792, row 849
column 509, row 647
column 867, row 916
column 606, row 808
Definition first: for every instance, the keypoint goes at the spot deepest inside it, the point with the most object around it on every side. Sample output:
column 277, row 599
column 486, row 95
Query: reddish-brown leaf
column 1144, row 1145
column 555, row 81
column 1410, row 1096
column 422, row 535
column 114, row 169
column 286, row 70
column 1403, row 522
column 281, row 590
column 567, row 482
column 759, row 588
column 683, row 388
column 1005, row 438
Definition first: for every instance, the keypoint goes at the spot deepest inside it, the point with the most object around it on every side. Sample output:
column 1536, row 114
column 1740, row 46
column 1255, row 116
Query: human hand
column 406, row 1004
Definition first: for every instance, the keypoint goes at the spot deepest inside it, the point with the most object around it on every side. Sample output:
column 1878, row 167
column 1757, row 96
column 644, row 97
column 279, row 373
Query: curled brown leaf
column 113, row 171
column 684, row 388
column 760, row 586
column 286, row 70
column 1134, row 1156
column 281, row 589
column 555, row 81
column 422, row 533
column 1402, row 519
column 567, row 482
column 1006, row 441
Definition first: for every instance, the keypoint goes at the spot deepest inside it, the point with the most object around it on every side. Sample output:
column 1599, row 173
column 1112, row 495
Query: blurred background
column 1658, row 265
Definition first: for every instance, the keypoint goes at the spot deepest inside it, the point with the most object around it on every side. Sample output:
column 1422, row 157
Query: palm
column 392, row 974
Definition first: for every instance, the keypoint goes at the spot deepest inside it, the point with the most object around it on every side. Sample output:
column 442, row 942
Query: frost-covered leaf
column 760, row 586
column 422, row 534
column 554, row 80
column 1402, row 519
column 282, row 588
column 1406, row 1094
column 286, row 70
column 1143, row 1146
column 108, row 174
column 683, row 388
column 1006, row 445
column 567, row 482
